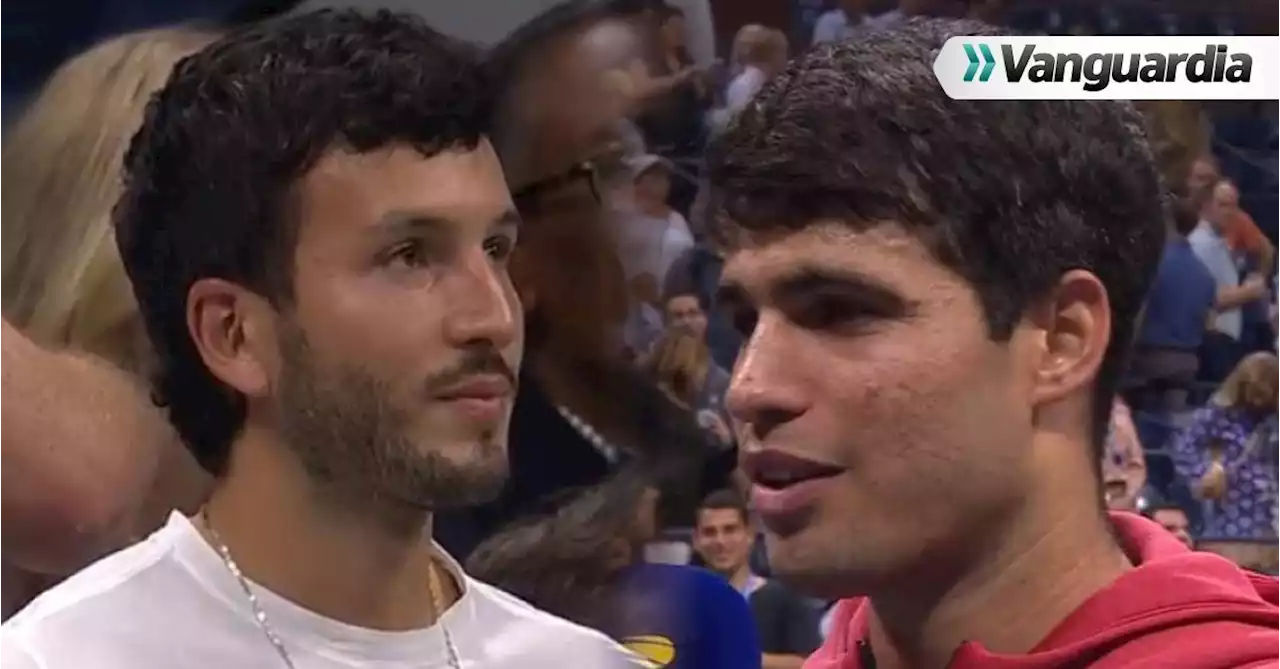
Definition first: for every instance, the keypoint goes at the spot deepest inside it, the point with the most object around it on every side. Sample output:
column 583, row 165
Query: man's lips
column 491, row 387
column 778, row 469
column 785, row 487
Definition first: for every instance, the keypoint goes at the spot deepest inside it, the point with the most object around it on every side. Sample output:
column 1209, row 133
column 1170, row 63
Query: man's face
column 1202, row 176
column 395, row 377
column 1224, row 203
column 1175, row 522
column 868, row 374
column 683, row 311
column 567, row 266
column 723, row 539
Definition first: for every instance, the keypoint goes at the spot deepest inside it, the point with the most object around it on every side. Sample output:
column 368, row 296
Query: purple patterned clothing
column 1248, row 441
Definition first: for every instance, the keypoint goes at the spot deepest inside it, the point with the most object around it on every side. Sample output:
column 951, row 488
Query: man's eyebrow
column 398, row 222
column 508, row 219
column 806, row 281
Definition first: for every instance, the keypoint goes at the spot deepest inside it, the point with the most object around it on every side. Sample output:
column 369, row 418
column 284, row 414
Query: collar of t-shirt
column 337, row 641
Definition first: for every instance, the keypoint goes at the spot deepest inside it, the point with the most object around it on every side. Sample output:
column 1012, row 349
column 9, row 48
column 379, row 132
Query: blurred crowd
column 623, row 454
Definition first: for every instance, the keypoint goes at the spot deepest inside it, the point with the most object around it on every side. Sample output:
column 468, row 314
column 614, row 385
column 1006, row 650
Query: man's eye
column 499, row 248
column 410, row 255
column 824, row 313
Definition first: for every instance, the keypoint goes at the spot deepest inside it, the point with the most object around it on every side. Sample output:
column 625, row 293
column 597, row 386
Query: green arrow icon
column 988, row 62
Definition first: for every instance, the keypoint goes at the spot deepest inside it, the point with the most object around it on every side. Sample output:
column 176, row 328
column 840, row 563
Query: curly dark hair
column 1010, row 195
column 208, row 177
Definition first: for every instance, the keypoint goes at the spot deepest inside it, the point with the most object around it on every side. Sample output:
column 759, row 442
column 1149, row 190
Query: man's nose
column 763, row 392
column 485, row 307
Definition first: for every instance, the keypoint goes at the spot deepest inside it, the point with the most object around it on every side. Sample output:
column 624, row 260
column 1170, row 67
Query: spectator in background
column 584, row 563
column 681, row 365
column 1228, row 452
column 787, row 622
column 697, row 272
column 582, row 408
column 1221, row 348
column 1124, row 467
column 65, row 287
column 1254, row 250
column 762, row 53
column 1166, row 354
column 673, row 116
column 644, row 325
column 839, row 23
column 683, row 311
column 653, row 234
column 1173, row 519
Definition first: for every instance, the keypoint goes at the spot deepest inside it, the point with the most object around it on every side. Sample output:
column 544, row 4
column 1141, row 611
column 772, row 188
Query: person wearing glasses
column 583, row 410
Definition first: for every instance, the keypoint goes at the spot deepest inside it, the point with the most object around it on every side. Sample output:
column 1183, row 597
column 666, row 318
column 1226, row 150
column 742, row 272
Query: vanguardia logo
column 1097, row 70
column 988, row 62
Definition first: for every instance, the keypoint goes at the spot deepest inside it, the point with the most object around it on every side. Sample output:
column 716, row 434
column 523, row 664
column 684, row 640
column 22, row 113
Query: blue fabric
column 691, row 612
column 1212, row 250
column 1180, row 300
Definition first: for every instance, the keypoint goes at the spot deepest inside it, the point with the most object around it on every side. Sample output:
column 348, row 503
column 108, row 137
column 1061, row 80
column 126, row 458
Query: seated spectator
column 583, row 563
column 683, row 311
column 697, row 272
column 1123, row 463
column 787, row 622
column 1179, row 303
column 1172, row 518
column 1228, row 453
column 681, row 365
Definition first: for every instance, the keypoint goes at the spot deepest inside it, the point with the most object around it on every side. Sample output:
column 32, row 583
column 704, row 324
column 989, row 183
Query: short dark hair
column 208, row 177
column 509, row 58
column 1010, row 195
column 721, row 500
column 1159, row 505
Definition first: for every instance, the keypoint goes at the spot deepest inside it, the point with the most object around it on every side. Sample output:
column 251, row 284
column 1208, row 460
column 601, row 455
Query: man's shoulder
column 545, row 637
column 101, row 611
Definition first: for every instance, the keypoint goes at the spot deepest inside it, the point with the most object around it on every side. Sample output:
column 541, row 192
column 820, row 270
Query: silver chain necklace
column 260, row 615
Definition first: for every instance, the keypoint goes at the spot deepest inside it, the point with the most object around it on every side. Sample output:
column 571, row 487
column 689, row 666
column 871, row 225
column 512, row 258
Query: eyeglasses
column 600, row 174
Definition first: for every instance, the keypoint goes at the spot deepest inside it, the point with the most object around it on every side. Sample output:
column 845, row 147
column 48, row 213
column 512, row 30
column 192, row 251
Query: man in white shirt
column 1222, row 350
column 317, row 230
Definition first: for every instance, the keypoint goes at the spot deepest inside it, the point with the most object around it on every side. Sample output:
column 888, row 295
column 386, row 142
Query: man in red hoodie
column 937, row 297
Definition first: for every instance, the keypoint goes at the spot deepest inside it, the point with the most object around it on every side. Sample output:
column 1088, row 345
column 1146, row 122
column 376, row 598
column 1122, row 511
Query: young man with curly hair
column 938, row 297
column 317, row 231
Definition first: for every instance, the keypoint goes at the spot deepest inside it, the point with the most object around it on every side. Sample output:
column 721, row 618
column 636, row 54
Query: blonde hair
column 1252, row 384
column 63, row 282
column 679, row 364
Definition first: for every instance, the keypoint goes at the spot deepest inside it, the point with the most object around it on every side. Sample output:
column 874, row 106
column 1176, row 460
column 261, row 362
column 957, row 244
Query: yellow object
column 657, row 649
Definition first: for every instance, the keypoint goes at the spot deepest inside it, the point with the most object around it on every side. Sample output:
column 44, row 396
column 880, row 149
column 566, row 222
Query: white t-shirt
column 651, row 244
column 171, row 603
column 743, row 88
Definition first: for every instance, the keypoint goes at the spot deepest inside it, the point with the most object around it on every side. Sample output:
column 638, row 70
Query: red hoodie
column 1176, row 609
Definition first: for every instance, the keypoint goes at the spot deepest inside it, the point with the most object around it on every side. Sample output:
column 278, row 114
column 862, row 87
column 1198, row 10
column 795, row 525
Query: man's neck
column 359, row 565
column 739, row 577
column 1009, row 600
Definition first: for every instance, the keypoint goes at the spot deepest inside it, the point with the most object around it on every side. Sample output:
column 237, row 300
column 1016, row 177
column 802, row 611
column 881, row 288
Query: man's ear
column 233, row 328
column 1075, row 322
